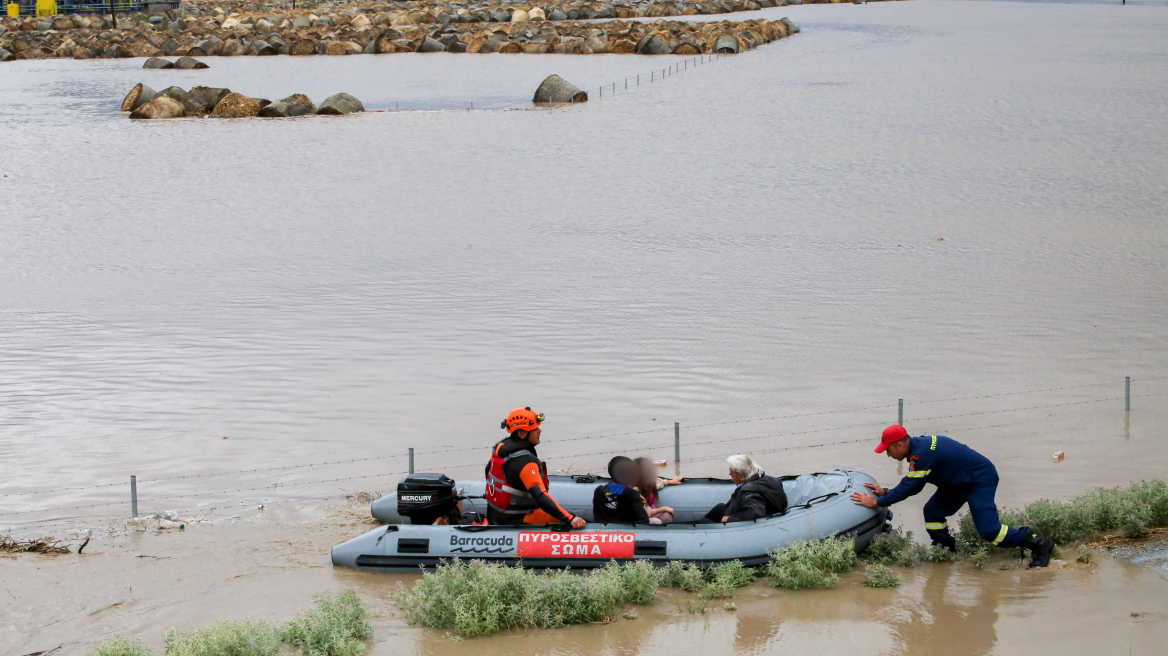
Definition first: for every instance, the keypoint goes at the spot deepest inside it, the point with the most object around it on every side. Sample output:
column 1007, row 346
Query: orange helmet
column 521, row 419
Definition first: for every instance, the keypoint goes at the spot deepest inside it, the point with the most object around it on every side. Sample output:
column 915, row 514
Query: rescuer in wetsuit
column 517, row 482
column 961, row 475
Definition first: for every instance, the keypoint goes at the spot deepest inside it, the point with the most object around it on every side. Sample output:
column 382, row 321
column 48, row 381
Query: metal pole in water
column 677, row 442
column 133, row 495
column 1127, row 394
column 900, row 413
column 411, row 459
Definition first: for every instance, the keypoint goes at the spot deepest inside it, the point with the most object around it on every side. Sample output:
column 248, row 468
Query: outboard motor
column 425, row 498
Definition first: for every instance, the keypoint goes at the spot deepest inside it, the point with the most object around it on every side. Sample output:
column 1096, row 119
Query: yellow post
column 13, row 10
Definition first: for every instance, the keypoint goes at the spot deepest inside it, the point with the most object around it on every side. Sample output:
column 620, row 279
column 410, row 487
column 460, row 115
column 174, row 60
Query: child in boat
column 650, row 486
column 619, row 501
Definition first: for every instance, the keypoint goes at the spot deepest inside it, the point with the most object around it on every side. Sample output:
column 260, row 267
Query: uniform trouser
column 980, row 496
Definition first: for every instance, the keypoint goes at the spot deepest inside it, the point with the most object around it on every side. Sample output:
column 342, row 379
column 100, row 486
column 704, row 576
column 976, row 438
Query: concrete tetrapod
column 556, row 89
column 339, row 104
column 157, row 63
column 726, row 45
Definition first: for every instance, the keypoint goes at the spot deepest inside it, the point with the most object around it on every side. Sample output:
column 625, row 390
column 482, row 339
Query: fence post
column 411, row 459
column 133, row 496
column 1127, row 394
column 677, row 442
column 900, row 412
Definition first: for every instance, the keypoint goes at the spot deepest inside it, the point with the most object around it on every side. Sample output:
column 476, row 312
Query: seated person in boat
column 619, row 501
column 649, row 484
column 757, row 495
column 517, row 481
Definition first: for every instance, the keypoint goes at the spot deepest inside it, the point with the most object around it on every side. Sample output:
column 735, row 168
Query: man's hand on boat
column 867, row 500
column 578, row 523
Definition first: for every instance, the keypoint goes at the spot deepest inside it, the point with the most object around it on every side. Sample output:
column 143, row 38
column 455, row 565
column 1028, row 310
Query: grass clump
column 1084, row 557
column 688, row 577
column 476, row 598
column 123, row 646
column 811, row 564
column 879, row 576
column 722, row 580
column 226, row 638
column 336, row 627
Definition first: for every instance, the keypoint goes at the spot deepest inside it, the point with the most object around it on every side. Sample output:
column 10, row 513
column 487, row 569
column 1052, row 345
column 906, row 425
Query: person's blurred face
column 737, row 477
column 626, row 474
column 898, row 450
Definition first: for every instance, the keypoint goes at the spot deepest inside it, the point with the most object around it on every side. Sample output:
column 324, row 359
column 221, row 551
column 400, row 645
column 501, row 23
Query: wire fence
column 670, row 436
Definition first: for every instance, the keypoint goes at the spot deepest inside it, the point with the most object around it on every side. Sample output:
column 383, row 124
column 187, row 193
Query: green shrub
column 123, row 646
column 336, row 627
column 722, row 580
column 889, row 548
column 639, row 580
column 677, row 574
column 476, row 598
column 1084, row 557
column 226, row 638
column 811, row 564
column 978, row 558
column 879, row 576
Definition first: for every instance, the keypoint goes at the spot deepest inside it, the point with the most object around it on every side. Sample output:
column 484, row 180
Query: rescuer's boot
column 944, row 539
column 1040, row 548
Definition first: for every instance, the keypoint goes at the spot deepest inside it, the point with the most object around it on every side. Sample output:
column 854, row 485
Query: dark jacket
column 758, row 497
column 942, row 461
column 613, row 502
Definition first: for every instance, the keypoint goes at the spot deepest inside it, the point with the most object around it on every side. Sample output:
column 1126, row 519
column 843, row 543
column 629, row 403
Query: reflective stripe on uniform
column 920, row 474
column 1001, row 534
column 936, row 526
column 933, row 446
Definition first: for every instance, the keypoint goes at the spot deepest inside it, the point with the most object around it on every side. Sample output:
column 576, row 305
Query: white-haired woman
column 757, row 495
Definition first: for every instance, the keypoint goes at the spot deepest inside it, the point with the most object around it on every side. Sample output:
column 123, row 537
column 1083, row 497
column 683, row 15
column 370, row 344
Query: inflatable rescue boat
column 819, row 506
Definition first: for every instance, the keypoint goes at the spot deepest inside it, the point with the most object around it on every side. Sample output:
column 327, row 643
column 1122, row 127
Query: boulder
column 726, row 45
column 169, row 46
column 295, row 105
column 383, row 44
column 340, row 103
column 160, row 107
column 557, row 15
column 556, row 89
column 63, row 23
column 262, row 48
column 138, row 96
column 301, row 22
column 536, row 14
column 520, row 16
column 360, row 21
column 687, row 49
column 791, row 27
column 189, row 63
column 236, row 105
column 5, row 55
column 157, row 63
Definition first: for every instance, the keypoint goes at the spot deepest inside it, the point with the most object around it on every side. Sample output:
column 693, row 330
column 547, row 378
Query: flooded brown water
column 918, row 200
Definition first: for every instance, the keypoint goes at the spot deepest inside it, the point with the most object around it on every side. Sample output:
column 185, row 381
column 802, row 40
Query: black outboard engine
column 425, row 498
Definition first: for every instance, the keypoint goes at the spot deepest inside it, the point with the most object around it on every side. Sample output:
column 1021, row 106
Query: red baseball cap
column 893, row 433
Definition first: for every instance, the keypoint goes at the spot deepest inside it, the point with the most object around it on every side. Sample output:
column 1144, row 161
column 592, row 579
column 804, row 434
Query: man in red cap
column 962, row 476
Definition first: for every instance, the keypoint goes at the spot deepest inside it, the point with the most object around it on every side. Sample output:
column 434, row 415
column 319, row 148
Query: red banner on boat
column 592, row 544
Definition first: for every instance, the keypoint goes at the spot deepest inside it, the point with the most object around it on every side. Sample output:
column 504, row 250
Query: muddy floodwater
column 958, row 204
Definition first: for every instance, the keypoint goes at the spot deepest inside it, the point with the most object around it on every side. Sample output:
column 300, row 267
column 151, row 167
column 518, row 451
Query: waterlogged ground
column 140, row 583
column 947, row 202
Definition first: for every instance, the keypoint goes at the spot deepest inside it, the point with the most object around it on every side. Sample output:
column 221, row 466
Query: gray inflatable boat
column 818, row 506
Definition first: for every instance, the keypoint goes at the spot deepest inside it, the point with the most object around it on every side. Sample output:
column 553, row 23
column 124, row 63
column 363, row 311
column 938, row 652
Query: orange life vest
column 500, row 494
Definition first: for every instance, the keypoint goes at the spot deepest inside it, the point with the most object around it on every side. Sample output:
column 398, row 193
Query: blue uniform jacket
column 942, row 461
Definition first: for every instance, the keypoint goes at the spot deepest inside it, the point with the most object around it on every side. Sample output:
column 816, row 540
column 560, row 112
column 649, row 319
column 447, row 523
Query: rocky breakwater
column 142, row 102
column 356, row 34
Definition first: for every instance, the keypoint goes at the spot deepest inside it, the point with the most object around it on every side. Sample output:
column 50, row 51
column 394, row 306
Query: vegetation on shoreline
column 337, row 626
